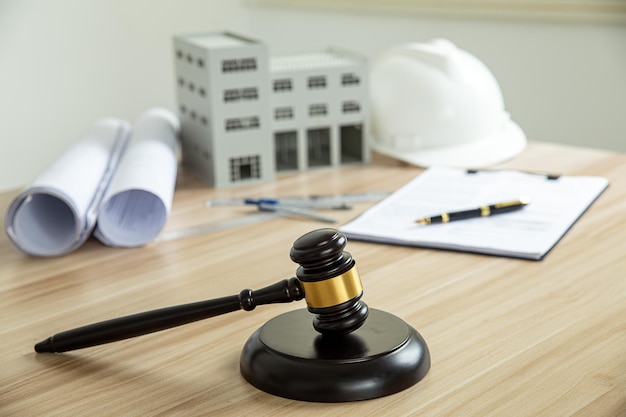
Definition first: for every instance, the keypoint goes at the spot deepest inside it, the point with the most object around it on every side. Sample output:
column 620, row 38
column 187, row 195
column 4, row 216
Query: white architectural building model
column 245, row 117
column 319, row 110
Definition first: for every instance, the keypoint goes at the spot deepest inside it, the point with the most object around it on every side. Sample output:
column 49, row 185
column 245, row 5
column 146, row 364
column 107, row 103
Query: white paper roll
column 139, row 198
column 57, row 212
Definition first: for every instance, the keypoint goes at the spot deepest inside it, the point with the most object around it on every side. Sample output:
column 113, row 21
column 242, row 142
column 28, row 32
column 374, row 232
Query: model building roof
column 303, row 62
column 217, row 40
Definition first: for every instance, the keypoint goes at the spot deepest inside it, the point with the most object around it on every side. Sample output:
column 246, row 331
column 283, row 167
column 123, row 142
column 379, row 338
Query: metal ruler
column 312, row 202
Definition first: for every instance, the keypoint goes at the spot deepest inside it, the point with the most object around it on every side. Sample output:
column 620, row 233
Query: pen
column 482, row 211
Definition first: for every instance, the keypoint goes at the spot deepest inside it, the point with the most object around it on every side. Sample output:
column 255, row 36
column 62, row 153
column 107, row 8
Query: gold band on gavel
column 333, row 291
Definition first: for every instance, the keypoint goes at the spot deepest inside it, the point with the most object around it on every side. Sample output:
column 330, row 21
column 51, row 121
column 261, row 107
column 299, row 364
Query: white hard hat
column 435, row 104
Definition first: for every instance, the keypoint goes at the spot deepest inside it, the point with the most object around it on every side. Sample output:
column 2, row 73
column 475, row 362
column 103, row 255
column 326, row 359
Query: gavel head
column 330, row 280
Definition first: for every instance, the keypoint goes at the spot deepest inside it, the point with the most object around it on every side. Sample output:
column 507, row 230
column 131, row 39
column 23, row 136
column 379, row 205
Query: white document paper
column 57, row 212
column 556, row 204
column 139, row 199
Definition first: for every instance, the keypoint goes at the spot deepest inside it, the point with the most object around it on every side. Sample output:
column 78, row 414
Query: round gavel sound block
column 349, row 352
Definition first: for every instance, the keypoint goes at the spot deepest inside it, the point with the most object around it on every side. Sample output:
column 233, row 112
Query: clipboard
column 557, row 202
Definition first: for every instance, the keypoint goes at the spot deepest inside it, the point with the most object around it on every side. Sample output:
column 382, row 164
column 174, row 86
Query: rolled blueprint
column 57, row 212
column 139, row 198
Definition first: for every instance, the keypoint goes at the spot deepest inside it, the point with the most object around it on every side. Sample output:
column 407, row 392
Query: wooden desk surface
column 507, row 337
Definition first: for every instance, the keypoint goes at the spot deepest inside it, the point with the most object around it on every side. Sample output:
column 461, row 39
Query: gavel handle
column 139, row 324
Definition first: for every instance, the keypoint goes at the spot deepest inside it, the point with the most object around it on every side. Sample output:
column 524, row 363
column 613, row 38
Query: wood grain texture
column 507, row 337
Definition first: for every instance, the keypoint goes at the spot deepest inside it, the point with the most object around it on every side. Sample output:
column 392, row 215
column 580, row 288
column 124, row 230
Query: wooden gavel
column 327, row 279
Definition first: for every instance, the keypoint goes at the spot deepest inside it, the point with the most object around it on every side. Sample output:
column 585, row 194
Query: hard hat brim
column 504, row 145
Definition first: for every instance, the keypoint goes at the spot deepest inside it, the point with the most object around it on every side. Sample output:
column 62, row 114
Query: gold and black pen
column 482, row 211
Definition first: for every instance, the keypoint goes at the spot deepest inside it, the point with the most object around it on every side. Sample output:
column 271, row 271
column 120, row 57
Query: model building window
column 317, row 82
column 245, row 168
column 317, row 110
column 242, row 123
column 230, row 65
column 282, row 113
column 351, row 143
column 231, row 95
column 350, row 79
column 282, row 85
column 245, row 64
column 252, row 122
column 350, row 107
column 235, row 94
column 286, row 148
column 318, row 147
column 250, row 93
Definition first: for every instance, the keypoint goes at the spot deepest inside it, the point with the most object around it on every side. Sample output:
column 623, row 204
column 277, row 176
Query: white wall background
column 66, row 63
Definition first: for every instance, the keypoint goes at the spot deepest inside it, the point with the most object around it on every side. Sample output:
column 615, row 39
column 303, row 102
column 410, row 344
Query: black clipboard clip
column 549, row 176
